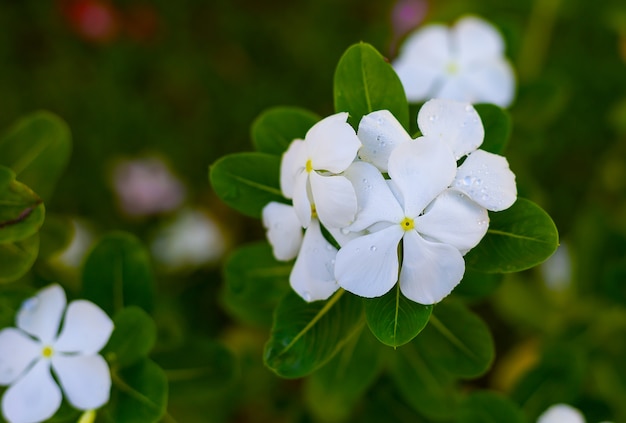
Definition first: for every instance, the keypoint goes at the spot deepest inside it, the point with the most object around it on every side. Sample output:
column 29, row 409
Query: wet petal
column 561, row 413
column 491, row 82
column 368, row 265
column 375, row 201
column 454, row 219
column 380, row 132
column 421, row 170
column 284, row 231
column 476, row 40
column 313, row 276
column 455, row 123
column 41, row 315
column 334, row 198
column 291, row 165
column 33, row 398
column 430, row 270
column 301, row 199
column 17, row 353
column 332, row 143
column 86, row 329
column 486, row 178
column 85, row 379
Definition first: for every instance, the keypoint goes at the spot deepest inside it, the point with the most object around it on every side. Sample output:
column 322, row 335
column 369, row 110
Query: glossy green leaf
column 365, row 82
column 247, row 181
column 37, row 148
column 139, row 394
column 56, row 234
column 497, row 124
column 428, row 389
column 306, row 335
column 489, row 407
column 21, row 210
column 133, row 337
column 198, row 369
column 476, row 285
column 457, row 341
column 118, row 274
column 254, row 283
column 518, row 238
column 16, row 258
column 276, row 128
column 333, row 391
column 394, row 319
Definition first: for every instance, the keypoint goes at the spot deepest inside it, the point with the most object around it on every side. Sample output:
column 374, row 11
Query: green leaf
column 457, row 341
column 489, row 407
column 198, row 369
column 139, row 394
column 366, row 82
column 497, row 124
column 254, row 283
column 394, row 319
column 518, row 238
column 133, row 338
column 247, row 182
column 56, row 235
column 476, row 285
column 333, row 391
column 37, row 148
column 276, row 128
column 21, row 210
column 118, row 274
column 11, row 299
column 16, row 258
column 306, row 335
column 428, row 389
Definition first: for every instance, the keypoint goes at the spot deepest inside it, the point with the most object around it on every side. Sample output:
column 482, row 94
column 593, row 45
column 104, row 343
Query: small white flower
column 310, row 171
column 29, row 352
column 465, row 63
column 562, row 413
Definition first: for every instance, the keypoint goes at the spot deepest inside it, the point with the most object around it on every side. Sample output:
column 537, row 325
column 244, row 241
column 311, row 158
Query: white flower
column 310, row 171
column 436, row 225
column 561, row 413
column 465, row 62
column 483, row 176
column 30, row 351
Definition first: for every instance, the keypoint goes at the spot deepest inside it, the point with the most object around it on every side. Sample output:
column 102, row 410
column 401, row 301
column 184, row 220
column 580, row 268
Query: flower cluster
column 30, row 351
column 400, row 209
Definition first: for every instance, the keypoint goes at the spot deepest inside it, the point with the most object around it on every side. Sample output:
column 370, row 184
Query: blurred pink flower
column 94, row 20
column 405, row 16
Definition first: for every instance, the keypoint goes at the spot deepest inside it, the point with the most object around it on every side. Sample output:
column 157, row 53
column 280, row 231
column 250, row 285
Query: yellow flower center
column 452, row 68
column 309, row 166
column 47, row 351
column 407, row 224
column 313, row 211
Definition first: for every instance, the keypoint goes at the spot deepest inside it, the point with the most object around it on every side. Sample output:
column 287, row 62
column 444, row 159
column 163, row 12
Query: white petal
column 334, row 198
column 561, row 413
column 491, row 82
column 430, row 270
column 291, row 165
column 454, row 219
column 375, row 201
column 85, row 379
column 486, row 178
column 421, row 170
column 41, row 315
column 284, row 231
column 454, row 87
column 419, row 81
column 380, row 132
column 455, row 123
column 86, row 329
column 313, row 275
column 33, row 398
column 302, row 199
column 17, row 353
column 332, row 144
column 368, row 265
column 476, row 40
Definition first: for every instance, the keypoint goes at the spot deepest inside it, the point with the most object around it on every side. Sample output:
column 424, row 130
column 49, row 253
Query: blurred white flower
column 74, row 255
column 557, row 270
column 146, row 186
column 561, row 413
column 192, row 239
column 465, row 62
column 29, row 352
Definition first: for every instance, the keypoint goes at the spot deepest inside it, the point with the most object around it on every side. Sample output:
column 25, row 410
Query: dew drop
column 345, row 231
column 485, row 197
column 383, row 143
column 373, row 248
column 307, row 296
column 364, row 180
column 329, row 247
column 468, row 180
column 30, row 304
column 358, row 250
column 468, row 108
column 432, row 118
column 478, row 181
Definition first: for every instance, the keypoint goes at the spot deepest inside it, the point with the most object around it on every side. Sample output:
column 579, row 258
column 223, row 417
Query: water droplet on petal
column 373, row 248
column 329, row 247
column 30, row 304
column 468, row 108
column 358, row 250
column 345, row 231
column 364, row 180
column 383, row 143
column 432, row 118
column 485, row 197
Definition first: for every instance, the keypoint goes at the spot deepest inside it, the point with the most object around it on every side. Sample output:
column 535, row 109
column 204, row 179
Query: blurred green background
column 185, row 79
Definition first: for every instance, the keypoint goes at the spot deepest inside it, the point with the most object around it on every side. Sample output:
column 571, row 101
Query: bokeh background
column 177, row 84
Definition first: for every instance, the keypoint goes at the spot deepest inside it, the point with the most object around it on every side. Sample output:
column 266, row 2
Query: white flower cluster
column 402, row 209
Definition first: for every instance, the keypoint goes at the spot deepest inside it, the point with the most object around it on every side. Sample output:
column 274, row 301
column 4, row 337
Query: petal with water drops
column 380, row 132
column 335, row 200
